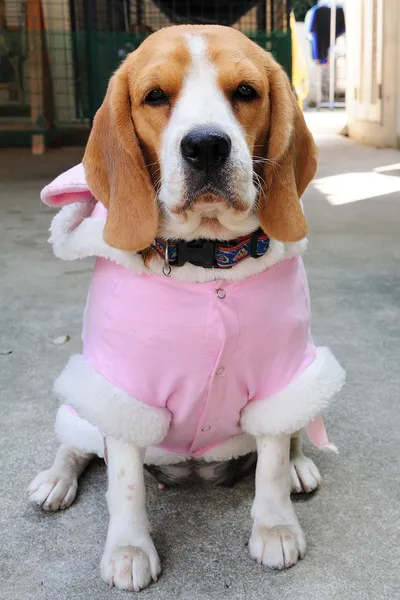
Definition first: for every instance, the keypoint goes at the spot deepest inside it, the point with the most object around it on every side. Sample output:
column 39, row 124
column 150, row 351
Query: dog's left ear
column 291, row 165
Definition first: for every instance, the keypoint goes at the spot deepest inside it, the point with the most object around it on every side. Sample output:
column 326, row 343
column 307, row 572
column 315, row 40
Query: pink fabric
column 100, row 211
column 202, row 350
column 317, row 434
column 67, row 188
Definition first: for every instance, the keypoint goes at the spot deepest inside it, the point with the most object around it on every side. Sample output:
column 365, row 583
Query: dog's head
column 199, row 136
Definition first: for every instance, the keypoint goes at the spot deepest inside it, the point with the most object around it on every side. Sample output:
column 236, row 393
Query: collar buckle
column 200, row 253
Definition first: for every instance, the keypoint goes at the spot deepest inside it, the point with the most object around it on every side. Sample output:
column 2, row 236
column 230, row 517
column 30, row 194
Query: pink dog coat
column 189, row 366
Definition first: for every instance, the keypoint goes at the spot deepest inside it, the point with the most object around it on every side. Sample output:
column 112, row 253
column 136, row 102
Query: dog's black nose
column 206, row 149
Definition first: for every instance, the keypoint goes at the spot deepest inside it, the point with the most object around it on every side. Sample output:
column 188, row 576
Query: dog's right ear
column 291, row 161
column 116, row 172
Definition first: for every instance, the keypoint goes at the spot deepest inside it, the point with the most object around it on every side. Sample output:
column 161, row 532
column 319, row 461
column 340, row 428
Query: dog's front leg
column 130, row 560
column 277, row 539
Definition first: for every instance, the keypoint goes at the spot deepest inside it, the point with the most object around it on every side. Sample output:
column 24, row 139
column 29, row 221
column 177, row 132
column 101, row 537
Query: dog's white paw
column 53, row 491
column 278, row 547
column 130, row 567
column 304, row 475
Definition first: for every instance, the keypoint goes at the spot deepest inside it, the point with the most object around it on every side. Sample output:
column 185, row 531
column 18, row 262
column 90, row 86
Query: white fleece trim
column 109, row 408
column 301, row 401
column 160, row 456
column 75, row 235
column 233, row 448
column 75, row 432
column 296, row 248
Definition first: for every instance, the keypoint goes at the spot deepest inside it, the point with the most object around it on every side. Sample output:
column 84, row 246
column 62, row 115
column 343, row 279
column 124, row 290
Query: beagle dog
column 197, row 350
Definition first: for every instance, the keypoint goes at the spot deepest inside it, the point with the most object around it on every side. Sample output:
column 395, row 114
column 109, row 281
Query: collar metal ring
column 167, row 267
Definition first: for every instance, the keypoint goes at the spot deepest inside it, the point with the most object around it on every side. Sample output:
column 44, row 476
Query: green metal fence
column 107, row 50
column 56, row 56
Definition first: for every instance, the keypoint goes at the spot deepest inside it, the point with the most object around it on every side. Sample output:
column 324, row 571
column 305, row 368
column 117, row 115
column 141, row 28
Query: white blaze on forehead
column 201, row 99
column 197, row 47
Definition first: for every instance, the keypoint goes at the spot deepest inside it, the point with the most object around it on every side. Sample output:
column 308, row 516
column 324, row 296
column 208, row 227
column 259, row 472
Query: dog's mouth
column 208, row 195
column 204, row 198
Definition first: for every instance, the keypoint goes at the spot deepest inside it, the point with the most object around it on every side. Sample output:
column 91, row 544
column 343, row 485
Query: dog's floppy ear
column 116, row 172
column 291, row 162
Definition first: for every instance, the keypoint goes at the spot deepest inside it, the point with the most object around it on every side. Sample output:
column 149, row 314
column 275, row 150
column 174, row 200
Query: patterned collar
column 212, row 253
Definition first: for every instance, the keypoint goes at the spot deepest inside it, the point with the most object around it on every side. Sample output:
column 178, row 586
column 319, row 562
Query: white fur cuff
column 295, row 406
column 109, row 408
column 75, row 432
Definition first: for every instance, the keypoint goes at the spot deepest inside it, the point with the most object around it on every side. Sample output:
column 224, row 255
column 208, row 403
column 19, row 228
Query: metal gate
column 58, row 55
column 113, row 29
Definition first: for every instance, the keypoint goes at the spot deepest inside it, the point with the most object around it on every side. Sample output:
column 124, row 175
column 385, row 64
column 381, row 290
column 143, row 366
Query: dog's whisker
column 259, row 181
column 263, row 160
column 157, row 186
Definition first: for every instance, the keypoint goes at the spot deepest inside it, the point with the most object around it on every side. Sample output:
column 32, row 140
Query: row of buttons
column 218, row 372
column 221, row 294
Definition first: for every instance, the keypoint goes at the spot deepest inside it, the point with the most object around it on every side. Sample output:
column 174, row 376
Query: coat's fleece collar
column 77, row 232
column 67, row 188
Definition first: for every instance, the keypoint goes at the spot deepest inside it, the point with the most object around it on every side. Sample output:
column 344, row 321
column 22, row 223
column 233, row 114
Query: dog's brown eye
column 156, row 97
column 245, row 92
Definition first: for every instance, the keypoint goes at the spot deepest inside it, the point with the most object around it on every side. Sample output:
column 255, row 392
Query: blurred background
column 56, row 57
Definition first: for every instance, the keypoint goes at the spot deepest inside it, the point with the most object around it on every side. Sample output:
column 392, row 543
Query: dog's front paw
column 277, row 547
column 304, row 474
column 53, row 491
column 130, row 567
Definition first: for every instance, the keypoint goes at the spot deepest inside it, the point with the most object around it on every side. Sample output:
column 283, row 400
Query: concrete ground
column 352, row 523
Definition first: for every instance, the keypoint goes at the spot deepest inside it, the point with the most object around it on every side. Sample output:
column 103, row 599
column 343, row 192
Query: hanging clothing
column 318, row 27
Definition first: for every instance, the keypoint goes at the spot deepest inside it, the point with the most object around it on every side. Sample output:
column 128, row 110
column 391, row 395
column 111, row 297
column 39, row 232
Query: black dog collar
column 213, row 253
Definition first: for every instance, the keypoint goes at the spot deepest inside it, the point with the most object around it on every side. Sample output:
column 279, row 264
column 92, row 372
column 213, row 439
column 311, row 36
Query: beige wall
column 379, row 126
